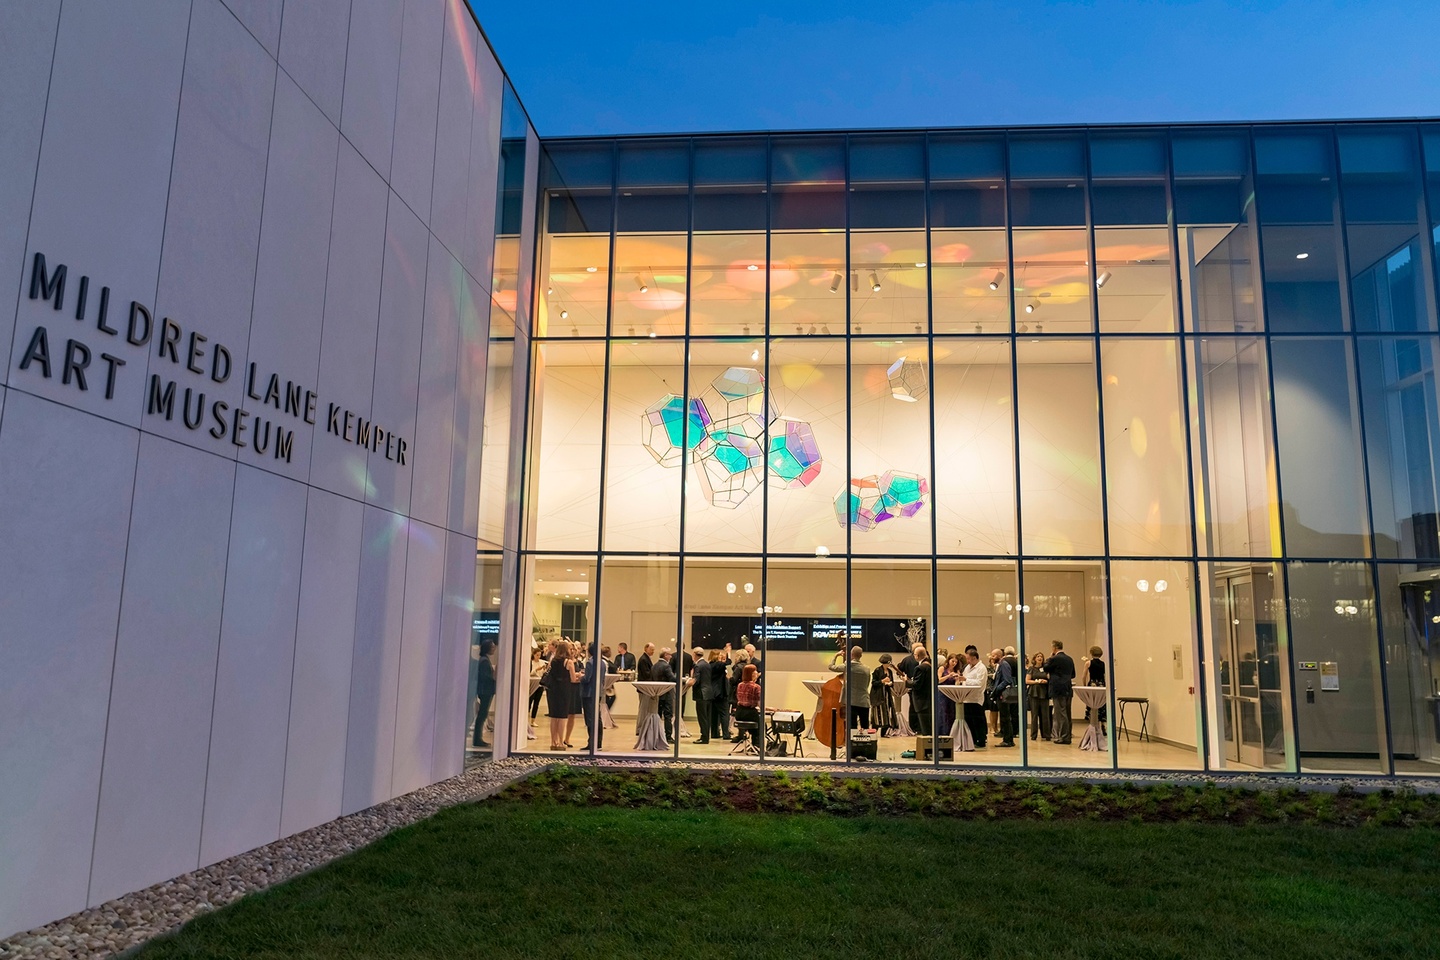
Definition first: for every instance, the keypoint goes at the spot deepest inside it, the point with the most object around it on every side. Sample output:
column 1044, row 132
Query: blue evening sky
column 698, row 65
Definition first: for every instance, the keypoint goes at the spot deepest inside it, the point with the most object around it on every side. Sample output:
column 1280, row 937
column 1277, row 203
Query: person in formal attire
column 687, row 689
column 1037, row 688
column 1002, row 688
column 1011, row 704
column 624, row 660
column 755, row 659
column 1061, row 671
column 720, row 686
column 1095, row 677
column 592, row 680
column 733, row 681
column 911, row 660
column 538, row 666
column 920, row 695
column 560, row 695
column 950, row 671
column 699, row 687
column 975, row 675
column 484, row 693
column 645, row 666
column 857, row 688
column 747, row 701
column 882, row 703
column 662, row 672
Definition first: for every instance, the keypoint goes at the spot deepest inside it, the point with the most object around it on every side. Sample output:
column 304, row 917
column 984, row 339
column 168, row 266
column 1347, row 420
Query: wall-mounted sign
column 1329, row 675
column 1307, row 665
column 266, row 427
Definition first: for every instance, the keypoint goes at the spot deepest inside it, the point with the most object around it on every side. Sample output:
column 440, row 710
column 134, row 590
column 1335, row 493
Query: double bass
column 829, row 721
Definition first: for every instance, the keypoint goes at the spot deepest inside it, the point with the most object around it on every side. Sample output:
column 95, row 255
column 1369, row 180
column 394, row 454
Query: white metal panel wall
column 205, row 649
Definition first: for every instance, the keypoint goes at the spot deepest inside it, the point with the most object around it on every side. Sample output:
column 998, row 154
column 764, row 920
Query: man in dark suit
column 687, row 672
column 595, row 670
column 662, row 672
column 645, row 666
column 1062, row 688
column 624, row 660
column 920, row 695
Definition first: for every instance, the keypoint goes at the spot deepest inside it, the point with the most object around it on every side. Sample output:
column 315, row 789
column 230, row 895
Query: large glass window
column 577, row 211
column 648, row 438
column 726, row 435
column 509, row 209
column 1214, row 216
column 808, row 391
column 1339, row 703
column 969, row 248
column 1299, row 239
column 1060, row 511
column 1402, row 437
column 1318, row 442
column 566, row 429
column 1165, row 398
column 1147, row 491
column 974, row 485
column 887, row 505
column 1232, row 448
column 1157, row 706
column 1384, row 233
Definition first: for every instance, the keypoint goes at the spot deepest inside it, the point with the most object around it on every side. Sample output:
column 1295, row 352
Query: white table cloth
column 649, row 728
column 814, row 687
column 960, row 736
column 605, row 719
column 902, row 711
column 1094, row 698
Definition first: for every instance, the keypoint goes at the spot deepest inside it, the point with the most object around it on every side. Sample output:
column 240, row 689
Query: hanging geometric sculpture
column 735, row 467
column 902, row 494
column 858, row 505
column 664, row 431
column 726, row 429
column 907, row 380
column 794, row 455
column 736, row 392
column 869, row 501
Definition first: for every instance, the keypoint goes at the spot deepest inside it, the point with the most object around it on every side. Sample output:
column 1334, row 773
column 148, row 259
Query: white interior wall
column 973, row 484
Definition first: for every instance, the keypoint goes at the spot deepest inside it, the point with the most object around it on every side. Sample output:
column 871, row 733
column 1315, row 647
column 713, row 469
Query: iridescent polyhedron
column 663, row 430
column 907, row 380
column 735, row 467
column 901, row 494
column 858, row 505
column 794, row 455
column 735, row 393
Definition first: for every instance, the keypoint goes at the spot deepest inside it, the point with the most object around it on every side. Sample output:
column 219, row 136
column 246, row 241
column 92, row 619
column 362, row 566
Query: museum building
column 339, row 406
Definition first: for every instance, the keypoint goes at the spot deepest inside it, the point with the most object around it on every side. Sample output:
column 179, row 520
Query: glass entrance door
column 1417, row 730
column 1240, row 675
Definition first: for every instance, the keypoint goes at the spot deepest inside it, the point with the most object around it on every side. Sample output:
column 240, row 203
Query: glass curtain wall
column 1146, row 417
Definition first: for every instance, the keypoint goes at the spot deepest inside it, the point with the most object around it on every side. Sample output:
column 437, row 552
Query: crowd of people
column 725, row 684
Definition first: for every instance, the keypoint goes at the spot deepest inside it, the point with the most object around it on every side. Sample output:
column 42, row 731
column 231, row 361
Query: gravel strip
column 1259, row 781
column 130, row 920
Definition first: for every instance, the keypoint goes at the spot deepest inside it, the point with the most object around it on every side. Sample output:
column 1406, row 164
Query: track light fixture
column 874, row 281
column 998, row 279
column 1031, row 307
column 835, row 282
column 564, row 314
column 1103, row 279
column 644, row 287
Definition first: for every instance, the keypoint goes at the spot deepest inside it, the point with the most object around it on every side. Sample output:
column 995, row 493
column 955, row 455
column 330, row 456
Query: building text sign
column 188, row 361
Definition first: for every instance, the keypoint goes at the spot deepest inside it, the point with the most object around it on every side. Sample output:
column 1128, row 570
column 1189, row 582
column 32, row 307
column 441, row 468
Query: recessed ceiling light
column 752, row 267
column 591, row 269
column 1302, row 256
column 567, row 569
column 921, row 264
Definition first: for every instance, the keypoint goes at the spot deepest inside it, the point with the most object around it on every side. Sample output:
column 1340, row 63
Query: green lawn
column 503, row 879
